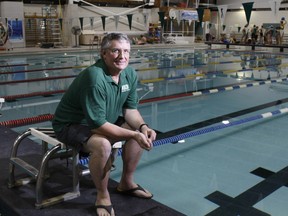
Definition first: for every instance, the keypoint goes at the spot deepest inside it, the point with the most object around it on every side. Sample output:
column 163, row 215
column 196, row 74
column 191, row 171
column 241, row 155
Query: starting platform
column 51, row 149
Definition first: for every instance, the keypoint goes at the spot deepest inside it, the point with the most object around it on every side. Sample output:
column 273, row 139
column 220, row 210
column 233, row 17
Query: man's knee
column 98, row 145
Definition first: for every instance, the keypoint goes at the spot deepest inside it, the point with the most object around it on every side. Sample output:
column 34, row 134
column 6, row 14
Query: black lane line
column 242, row 205
column 230, row 207
column 212, row 121
column 263, row 173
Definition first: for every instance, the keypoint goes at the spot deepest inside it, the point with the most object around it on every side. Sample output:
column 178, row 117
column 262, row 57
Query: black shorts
column 75, row 135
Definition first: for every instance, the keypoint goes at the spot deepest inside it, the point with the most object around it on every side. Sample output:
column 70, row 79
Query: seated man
column 100, row 108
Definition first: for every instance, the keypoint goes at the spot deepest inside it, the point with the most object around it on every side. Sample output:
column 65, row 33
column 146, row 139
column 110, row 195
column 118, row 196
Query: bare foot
column 104, row 210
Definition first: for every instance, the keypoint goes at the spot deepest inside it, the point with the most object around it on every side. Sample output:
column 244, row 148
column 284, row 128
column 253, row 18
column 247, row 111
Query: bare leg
column 131, row 155
column 99, row 165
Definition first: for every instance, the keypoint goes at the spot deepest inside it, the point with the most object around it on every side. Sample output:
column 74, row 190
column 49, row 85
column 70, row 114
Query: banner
column 188, row 15
column 239, row 28
column 16, row 29
column 161, row 17
column 200, row 12
column 103, row 18
column 129, row 17
column 81, row 22
column 207, row 15
column 222, row 9
column 248, row 9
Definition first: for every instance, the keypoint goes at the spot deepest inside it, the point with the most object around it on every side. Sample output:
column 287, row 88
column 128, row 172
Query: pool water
column 184, row 90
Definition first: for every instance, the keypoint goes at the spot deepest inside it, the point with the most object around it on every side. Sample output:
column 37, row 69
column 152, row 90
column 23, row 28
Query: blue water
column 180, row 175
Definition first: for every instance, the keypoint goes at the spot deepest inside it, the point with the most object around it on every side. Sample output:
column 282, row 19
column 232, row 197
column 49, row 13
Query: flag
column 248, row 9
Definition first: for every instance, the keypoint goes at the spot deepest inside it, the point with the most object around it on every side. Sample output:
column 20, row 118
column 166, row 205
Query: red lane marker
column 38, row 79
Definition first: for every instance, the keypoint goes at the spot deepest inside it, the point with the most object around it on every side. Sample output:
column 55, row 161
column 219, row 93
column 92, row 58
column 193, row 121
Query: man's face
column 117, row 56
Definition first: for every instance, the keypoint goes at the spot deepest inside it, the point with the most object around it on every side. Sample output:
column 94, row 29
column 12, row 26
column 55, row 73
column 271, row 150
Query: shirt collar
column 108, row 77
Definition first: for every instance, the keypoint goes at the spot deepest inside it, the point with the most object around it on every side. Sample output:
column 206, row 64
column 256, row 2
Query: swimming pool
column 213, row 171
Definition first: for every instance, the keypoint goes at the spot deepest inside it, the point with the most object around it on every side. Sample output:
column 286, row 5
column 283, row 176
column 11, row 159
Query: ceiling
column 119, row 3
column 96, row 2
column 40, row 1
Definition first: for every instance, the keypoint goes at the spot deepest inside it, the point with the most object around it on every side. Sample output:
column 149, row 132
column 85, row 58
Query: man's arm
column 133, row 118
column 135, row 121
column 114, row 132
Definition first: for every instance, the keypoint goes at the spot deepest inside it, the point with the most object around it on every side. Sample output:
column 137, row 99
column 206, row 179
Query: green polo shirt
column 93, row 98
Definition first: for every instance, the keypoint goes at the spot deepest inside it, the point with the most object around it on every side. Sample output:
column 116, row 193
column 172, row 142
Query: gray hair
column 107, row 39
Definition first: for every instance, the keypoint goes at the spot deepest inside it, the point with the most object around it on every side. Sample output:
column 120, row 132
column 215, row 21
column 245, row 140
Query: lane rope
column 218, row 126
column 27, row 121
column 201, row 131
column 197, row 93
column 221, row 89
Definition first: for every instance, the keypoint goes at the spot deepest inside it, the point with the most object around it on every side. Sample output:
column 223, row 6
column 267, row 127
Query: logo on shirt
column 125, row 88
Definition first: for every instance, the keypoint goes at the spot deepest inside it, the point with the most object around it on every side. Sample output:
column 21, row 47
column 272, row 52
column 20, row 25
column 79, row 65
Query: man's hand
column 144, row 141
column 149, row 134
column 146, row 137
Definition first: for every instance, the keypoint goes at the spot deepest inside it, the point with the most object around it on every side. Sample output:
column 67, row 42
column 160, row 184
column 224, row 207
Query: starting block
column 52, row 148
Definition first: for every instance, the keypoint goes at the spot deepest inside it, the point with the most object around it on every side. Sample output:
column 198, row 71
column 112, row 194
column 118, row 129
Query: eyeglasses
column 116, row 51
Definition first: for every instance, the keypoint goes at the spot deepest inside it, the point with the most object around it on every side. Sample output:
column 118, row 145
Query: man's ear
column 103, row 53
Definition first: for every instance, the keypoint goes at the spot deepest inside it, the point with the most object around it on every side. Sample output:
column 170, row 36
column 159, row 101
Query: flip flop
column 107, row 208
column 132, row 192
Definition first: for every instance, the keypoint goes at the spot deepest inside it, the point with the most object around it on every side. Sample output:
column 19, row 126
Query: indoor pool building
column 212, row 83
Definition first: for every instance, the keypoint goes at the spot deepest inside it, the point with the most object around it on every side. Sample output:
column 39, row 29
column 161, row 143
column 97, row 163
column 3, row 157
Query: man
column 87, row 118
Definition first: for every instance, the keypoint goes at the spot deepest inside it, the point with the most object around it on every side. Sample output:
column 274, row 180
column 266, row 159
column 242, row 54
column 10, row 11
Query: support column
column 70, row 19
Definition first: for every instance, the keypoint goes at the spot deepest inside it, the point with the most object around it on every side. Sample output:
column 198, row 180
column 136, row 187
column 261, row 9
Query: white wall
column 72, row 12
